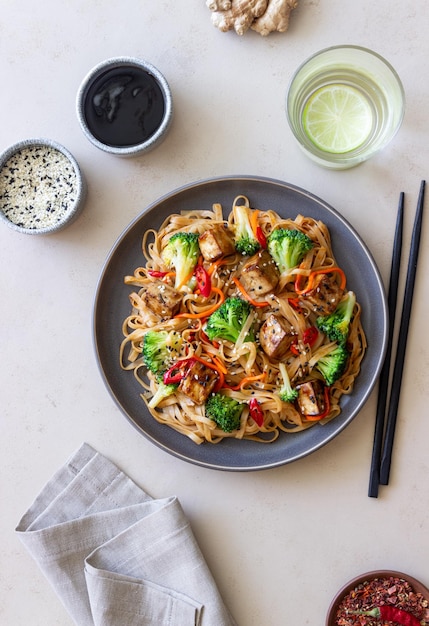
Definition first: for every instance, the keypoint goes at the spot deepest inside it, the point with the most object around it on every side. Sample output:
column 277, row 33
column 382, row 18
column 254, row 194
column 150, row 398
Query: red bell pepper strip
column 260, row 236
column 391, row 614
column 204, row 282
column 178, row 371
column 309, row 337
column 256, row 412
column 156, row 273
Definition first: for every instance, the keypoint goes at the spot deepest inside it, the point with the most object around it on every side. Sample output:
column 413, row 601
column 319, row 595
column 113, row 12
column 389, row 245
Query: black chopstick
column 384, row 375
column 402, row 342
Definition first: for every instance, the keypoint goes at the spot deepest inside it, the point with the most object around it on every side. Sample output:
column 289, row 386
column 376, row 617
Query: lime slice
column 337, row 118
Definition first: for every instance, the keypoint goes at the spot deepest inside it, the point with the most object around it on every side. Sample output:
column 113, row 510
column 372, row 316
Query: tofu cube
column 162, row 299
column 275, row 336
column 325, row 296
column 216, row 242
column 311, row 397
column 199, row 382
column 259, row 274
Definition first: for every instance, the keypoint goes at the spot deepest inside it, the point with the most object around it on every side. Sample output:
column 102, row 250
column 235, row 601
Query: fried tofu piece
column 259, row 274
column 325, row 296
column 275, row 336
column 162, row 299
column 311, row 397
column 216, row 242
column 199, row 382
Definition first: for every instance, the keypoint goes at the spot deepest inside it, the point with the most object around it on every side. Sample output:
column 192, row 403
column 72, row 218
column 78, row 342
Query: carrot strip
column 254, row 220
column 185, row 280
column 214, row 367
column 214, row 266
column 246, row 295
column 312, row 276
column 248, row 379
column 204, row 337
column 219, row 364
column 207, row 312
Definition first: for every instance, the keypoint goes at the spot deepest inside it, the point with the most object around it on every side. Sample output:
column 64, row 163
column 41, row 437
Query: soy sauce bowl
column 417, row 586
column 124, row 106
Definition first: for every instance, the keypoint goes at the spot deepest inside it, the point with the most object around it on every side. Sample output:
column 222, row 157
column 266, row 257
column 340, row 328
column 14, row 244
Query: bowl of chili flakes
column 404, row 599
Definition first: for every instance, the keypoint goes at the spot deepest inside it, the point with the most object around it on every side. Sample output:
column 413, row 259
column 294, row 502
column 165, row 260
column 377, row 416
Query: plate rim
column 187, row 187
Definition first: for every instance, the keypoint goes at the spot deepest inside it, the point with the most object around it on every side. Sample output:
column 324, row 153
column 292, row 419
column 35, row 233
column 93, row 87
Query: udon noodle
column 244, row 370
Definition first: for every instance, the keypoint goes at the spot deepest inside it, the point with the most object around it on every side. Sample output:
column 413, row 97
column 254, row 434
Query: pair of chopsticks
column 385, row 425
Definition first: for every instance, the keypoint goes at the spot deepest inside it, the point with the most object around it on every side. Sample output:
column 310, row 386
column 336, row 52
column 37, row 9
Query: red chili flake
column 388, row 599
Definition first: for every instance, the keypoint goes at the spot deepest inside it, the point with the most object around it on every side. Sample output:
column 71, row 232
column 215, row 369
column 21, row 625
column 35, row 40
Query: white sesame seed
column 38, row 186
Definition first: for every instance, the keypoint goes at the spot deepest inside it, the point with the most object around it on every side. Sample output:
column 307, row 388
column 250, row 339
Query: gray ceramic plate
column 112, row 306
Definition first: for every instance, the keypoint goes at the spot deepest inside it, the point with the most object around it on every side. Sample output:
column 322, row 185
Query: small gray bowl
column 124, row 106
column 42, row 188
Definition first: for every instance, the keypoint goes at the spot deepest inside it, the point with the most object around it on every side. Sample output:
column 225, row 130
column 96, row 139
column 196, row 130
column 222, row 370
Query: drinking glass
column 344, row 104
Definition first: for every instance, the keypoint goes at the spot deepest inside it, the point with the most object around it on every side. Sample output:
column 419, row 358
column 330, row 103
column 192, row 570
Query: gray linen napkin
column 114, row 555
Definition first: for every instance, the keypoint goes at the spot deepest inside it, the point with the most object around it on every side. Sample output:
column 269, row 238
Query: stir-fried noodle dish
column 241, row 326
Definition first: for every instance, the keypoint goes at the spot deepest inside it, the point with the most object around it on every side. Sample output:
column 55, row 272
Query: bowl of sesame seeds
column 42, row 189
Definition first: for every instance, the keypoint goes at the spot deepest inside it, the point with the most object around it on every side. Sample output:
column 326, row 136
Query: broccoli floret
column 228, row 320
column 288, row 247
column 333, row 364
column 181, row 254
column 336, row 325
column 245, row 239
column 160, row 349
column 225, row 411
column 286, row 393
column 162, row 392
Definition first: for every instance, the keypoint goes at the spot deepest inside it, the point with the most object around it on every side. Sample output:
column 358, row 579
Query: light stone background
column 279, row 542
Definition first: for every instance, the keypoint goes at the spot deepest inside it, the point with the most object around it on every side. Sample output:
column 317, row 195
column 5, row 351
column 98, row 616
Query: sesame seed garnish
column 38, row 186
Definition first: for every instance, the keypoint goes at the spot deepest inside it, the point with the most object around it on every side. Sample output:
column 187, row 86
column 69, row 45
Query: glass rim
column 368, row 51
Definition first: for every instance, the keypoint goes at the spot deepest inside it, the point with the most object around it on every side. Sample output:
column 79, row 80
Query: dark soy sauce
column 124, row 106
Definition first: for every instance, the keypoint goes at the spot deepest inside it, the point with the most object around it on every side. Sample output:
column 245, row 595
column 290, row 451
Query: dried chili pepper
column 256, row 412
column 392, row 614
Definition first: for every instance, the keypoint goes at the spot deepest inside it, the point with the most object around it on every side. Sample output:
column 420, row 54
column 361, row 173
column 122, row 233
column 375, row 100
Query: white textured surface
column 279, row 542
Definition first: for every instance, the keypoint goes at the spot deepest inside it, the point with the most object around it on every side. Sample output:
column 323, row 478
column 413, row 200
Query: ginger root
column 275, row 18
column 262, row 16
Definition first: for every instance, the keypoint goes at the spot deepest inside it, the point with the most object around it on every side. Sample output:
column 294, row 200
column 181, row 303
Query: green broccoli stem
column 287, row 393
column 245, row 240
column 162, row 392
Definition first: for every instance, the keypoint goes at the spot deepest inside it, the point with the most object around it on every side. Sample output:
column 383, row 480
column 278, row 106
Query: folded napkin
column 114, row 555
